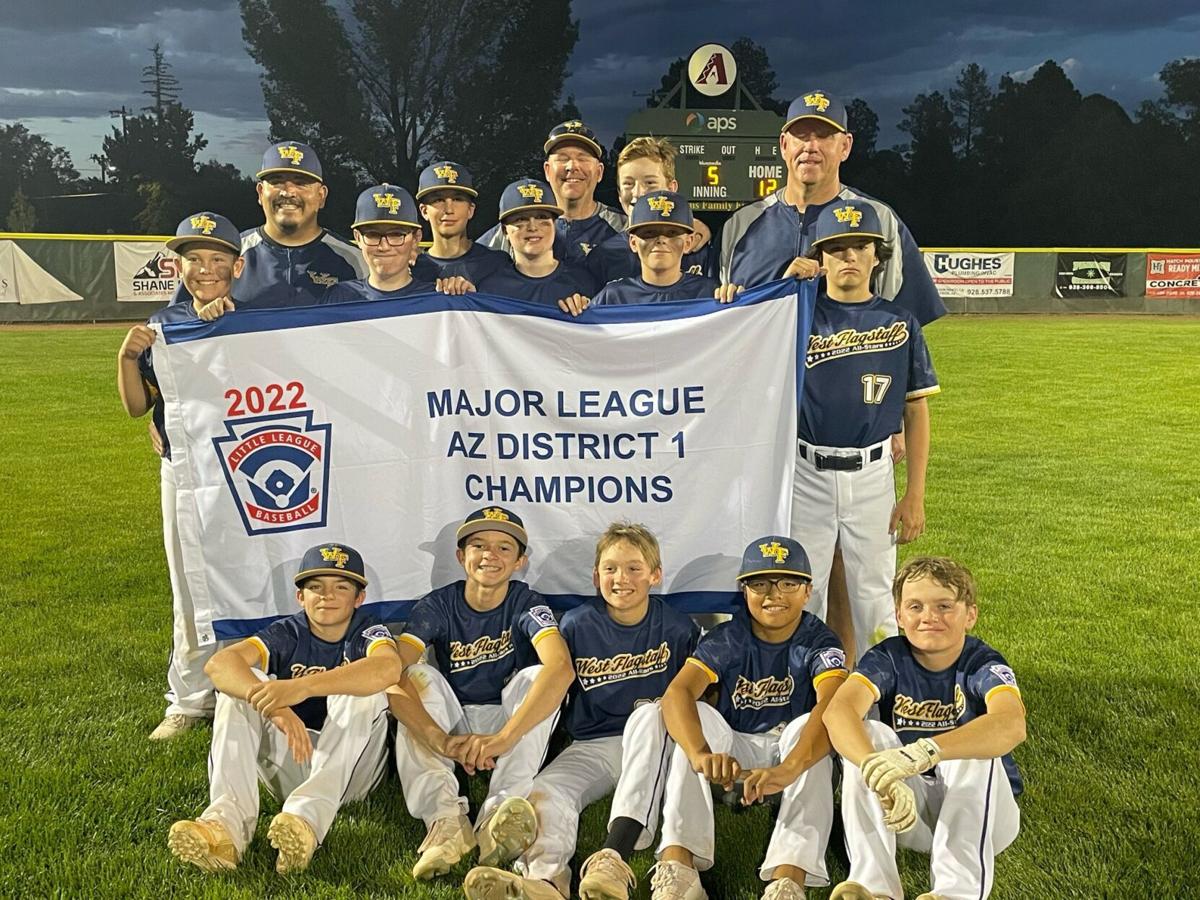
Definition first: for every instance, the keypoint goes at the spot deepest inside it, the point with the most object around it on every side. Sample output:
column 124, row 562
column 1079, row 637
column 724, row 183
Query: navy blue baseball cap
column 526, row 195
column 446, row 175
column 847, row 218
column 207, row 228
column 817, row 105
column 661, row 208
column 493, row 518
column 573, row 132
column 775, row 555
column 291, row 156
column 332, row 559
column 386, row 204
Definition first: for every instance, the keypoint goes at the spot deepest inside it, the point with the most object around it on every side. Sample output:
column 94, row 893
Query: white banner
column 24, row 281
column 146, row 270
column 383, row 424
column 971, row 274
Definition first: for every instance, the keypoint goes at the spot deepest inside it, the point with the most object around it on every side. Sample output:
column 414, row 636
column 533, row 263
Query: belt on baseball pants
column 848, row 460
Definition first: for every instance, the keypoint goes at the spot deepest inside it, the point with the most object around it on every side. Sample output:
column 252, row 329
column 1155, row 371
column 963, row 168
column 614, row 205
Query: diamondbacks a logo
column 277, row 468
column 160, row 274
column 848, row 215
column 480, row 651
column 495, row 514
column 823, row 348
column 335, row 555
column 388, row 201
column 714, row 70
column 202, row 224
column 661, row 205
column 928, row 715
column 530, row 192
column 774, row 550
column 769, row 691
column 446, row 173
column 291, row 153
column 816, row 100
column 594, row 671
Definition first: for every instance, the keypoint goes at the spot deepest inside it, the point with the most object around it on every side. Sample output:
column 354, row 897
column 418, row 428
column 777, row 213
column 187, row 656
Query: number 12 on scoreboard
column 765, row 186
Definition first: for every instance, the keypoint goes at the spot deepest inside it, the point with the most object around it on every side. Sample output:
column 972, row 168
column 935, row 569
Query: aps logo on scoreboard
column 277, row 468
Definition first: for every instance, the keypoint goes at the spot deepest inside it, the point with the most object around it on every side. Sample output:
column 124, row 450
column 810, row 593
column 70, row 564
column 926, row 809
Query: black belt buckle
column 838, row 463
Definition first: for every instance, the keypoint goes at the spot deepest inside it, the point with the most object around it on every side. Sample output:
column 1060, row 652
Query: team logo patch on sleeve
column 833, row 658
column 1004, row 673
column 544, row 616
column 377, row 633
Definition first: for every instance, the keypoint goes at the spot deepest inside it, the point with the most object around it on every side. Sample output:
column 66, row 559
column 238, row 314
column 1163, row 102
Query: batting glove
column 880, row 770
column 899, row 807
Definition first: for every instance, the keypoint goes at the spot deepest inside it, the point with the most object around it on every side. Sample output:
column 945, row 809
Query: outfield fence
column 87, row 278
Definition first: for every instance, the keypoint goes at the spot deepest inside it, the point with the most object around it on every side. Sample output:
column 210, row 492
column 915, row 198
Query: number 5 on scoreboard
column 874, row 387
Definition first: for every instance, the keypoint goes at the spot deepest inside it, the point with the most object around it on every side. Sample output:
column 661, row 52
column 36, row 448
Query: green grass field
column 1063, row 472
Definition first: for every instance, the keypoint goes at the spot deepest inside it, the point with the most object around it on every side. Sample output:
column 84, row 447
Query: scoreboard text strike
column 727, row 158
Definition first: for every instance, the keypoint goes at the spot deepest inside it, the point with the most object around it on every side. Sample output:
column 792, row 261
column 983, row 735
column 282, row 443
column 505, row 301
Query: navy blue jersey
column 475, row 265
column 354, row 291
column 625, row 291
column 765, row 685
column 917, row 703
column 573, row 238
column 276, row 275
column 549, row 289
column 288, row 649
column 176, row 313
column 761, row 239
column 479, row 651
column 619, row 667
column 863, row 361
column 612, row 259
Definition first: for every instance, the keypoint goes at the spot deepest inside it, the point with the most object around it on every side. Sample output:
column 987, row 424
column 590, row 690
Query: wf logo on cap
column 530, row 192
column 573, row 125
column 818, row 100
column 388, row 201
column 774, row 549
column 335, row 555
column 203, row 224
column 848, row 215
column 496, row 514
column 292, row 154
column 661, row 205
column 449, row 173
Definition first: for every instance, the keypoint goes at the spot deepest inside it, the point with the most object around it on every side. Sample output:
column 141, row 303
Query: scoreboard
column 727, row 158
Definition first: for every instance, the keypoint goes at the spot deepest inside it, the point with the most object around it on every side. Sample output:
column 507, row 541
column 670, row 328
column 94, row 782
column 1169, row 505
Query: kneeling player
column 491, row 702
column 776, row 668
column 626, row 646
column 936, row 766
column 303, row 702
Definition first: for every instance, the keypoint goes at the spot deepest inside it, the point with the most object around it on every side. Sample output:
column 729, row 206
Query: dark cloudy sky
column 64, row 63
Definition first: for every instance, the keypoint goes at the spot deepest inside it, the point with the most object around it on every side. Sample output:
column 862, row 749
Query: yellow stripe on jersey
column 413, row 641
column 923, row 392
column 867, row 681
column 549, row 629
column 264, row 655
column 378, row 642
column 829, row 673
column 1005, row 687
column 712, row 676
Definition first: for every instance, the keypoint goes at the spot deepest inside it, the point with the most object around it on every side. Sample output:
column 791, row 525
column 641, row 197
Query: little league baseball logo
column 277, row 468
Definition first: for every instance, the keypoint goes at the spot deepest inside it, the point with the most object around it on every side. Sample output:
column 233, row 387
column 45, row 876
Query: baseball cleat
column 930, row 896
column 485, row 883
column 449, row 840
column 852, row 890
column 204, row 844
column 508, row 832
column 675, row 881
column 605, row 876
column 295, row 840
column 174, row 725
column 784, row 889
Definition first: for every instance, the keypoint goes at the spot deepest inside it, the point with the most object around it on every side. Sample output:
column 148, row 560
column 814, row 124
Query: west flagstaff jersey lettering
column 288, row 649
column 475, row 265
column 564, row 281
column 613, row 259
column 862, row 362
column 917, row 703
column 618, row 667
column 763, row 685
column 573, row 238
column 479, row 651
column 183, row 312
column 761, row 239
column 635, row 290
column 355, row 291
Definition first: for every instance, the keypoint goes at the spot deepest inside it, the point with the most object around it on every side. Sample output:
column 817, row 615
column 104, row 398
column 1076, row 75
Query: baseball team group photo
column 652, row 518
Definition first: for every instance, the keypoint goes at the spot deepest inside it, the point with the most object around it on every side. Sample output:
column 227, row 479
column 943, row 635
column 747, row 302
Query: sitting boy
column 626, row 646
column 776, row 667
column 491, row 702
column 303, row 703
column 936, row 766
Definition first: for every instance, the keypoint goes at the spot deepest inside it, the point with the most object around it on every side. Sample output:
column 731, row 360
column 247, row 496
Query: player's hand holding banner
column 381, row 422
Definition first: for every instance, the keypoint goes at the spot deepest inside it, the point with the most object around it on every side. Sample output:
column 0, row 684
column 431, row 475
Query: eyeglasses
column 393, row 238
column 762, row 586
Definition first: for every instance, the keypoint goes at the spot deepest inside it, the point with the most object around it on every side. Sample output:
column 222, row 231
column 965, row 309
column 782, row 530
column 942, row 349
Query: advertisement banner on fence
column 971, row 274
column 1090, row 275
column 146, row 271
column 25, row 282
column 1172, row 275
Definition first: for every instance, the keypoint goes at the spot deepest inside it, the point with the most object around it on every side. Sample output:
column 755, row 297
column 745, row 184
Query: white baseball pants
column 966, row 814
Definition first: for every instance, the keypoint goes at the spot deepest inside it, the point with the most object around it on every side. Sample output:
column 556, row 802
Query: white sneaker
column 784, row 889
column 486, row 883
column 174, row 725
column 605, row 876
column 449, row 840
column 675, row 881
column 508, row 833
